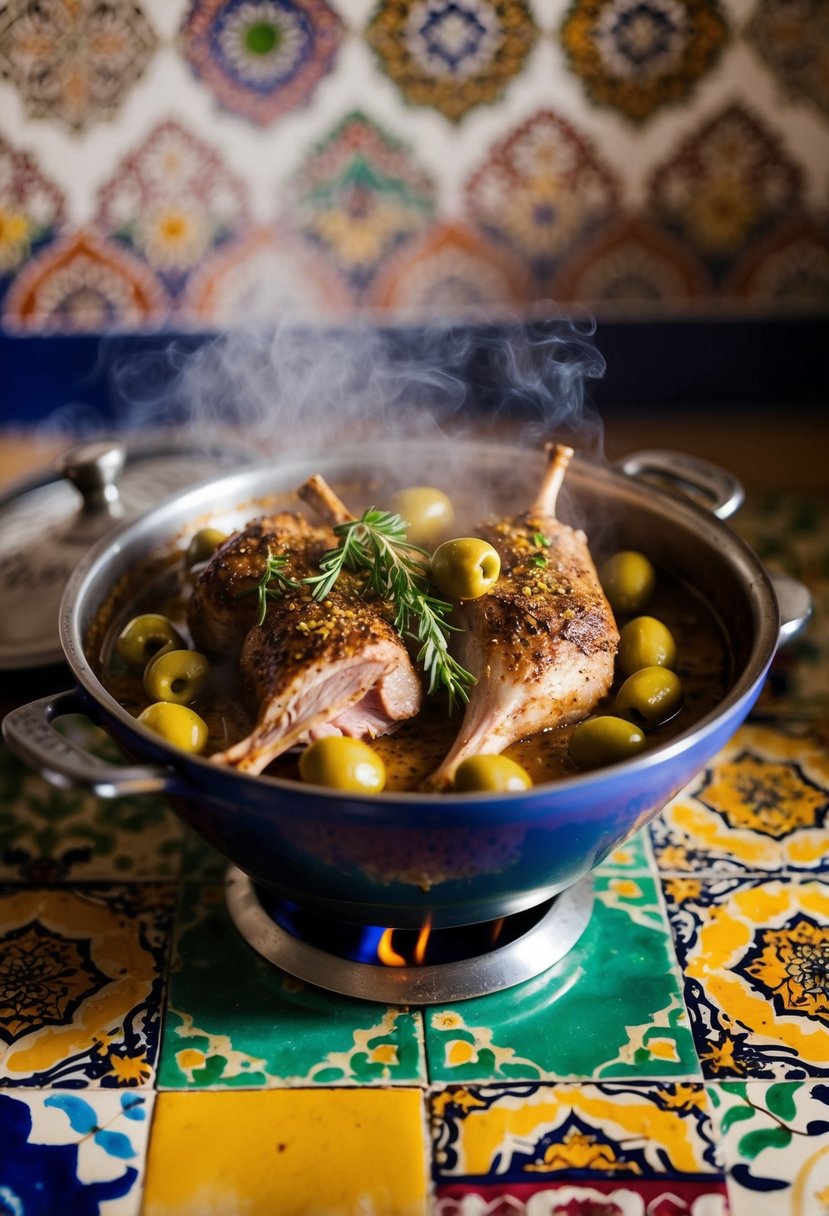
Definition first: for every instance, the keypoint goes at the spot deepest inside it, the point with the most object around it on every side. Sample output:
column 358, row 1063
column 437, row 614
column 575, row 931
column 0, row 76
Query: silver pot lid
column 49, row 521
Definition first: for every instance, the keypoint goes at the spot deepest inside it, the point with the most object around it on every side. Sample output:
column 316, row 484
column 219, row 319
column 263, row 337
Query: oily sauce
column 418, row 746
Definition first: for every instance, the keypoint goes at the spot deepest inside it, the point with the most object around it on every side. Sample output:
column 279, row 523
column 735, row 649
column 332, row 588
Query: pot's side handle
column 29, row 731
column 795, row 603
column 706, row 483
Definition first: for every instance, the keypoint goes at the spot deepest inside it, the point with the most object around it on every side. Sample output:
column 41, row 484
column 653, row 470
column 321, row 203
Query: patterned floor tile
column 614, row 1149
column 611, row 1008
column 49, row 835
column 775, row 1141
column 754, row 954
column 63, row 1153
column 761, row 805
column 634, row 854
column 81, row 985
column 337, row 1151
column 788, row 532
column 234, row 1019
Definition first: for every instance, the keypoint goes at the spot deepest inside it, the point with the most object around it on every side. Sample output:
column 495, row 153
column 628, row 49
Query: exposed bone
column 560, row 456
column 319, row 496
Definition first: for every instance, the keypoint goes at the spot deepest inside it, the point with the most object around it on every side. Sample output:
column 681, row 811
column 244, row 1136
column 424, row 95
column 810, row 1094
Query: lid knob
column 94, row 469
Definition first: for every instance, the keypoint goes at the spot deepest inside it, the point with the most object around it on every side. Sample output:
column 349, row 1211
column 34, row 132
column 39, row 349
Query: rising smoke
column 297, row 387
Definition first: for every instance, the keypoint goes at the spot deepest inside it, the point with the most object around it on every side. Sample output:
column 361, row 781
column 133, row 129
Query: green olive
column 343, row 764
column 204, row 544
column 650, row 696
column 177, row 676
column 142, row 638
column 645, row 642
column 428, row 514
column 465, row 568
column 177, row 724
column 604, row 740
column 496, row 773
column 628, row 580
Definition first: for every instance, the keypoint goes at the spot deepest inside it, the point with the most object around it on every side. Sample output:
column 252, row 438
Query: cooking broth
column 418, row 746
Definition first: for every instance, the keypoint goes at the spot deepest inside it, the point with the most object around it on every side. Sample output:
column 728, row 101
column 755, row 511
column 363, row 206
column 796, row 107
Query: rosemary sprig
column 272, row 584
column 398, row 571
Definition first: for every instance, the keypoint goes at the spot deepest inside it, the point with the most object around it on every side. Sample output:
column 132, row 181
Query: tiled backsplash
column 165, row 163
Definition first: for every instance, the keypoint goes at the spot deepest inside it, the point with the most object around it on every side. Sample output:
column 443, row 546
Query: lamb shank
column 541, row 644
column 310, row 668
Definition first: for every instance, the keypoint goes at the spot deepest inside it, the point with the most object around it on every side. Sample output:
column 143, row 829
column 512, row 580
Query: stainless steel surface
column 683, row 538
column 49, row 521
column 719, row 491
column 93, row 469
column 549, row 940
column 30, row 732
column 795, row 604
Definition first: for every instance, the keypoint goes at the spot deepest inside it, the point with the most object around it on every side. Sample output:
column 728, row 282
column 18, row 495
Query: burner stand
column 548, row 939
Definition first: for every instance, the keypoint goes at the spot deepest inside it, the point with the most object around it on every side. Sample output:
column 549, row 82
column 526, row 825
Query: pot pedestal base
column 474, row 960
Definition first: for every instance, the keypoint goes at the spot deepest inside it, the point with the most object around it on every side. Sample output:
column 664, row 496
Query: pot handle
column 29, row 732
column 705, row 483
column 795, row 603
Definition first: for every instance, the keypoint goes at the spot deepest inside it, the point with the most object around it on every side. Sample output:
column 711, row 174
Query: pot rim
column 745, row 685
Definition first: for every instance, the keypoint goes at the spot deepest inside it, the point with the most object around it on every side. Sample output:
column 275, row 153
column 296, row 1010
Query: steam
column 298, row 387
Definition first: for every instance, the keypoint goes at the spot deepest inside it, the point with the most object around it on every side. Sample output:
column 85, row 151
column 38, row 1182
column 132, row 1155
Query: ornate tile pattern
column 84, row 283
column 775, row 1145
column 621, row 971
column 726, row 184
column 261, row 58
column 540, row 191
column 234, row 1020
column 625, row 157
column 761, row 805
column 791, row 265
column 62, row 1152
column 450, row 270
column 631, row 262
column 640, row 55
column 263, row 277
column 74, row 61
column 339, row 1151
column 172, row 201
column 791, row 37
column 32, row 208
column 754, row 955
column 81, row 984
column 359, row 196
column 452, row 54
column 598, row 1148
column 50, row 836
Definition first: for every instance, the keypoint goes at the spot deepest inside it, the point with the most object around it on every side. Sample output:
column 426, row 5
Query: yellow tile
column 298, row 1152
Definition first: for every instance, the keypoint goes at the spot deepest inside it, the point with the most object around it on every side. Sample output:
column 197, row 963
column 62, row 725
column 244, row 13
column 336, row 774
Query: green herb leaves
column 398, row 571
column 272, row 584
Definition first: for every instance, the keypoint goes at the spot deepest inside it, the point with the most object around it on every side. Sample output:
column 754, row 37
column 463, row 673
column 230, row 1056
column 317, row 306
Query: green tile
column 632, row 856
column 612, row 1008
column 50, row 835
column 234, row 1019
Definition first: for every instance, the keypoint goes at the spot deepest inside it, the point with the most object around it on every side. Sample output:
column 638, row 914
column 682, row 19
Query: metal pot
column 392, row 858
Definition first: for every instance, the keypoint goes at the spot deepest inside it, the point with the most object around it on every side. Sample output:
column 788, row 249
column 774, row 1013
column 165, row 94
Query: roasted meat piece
column 541, row 644
column 309, row 669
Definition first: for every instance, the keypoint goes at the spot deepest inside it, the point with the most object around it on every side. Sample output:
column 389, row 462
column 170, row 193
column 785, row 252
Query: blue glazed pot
column 391, row 858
